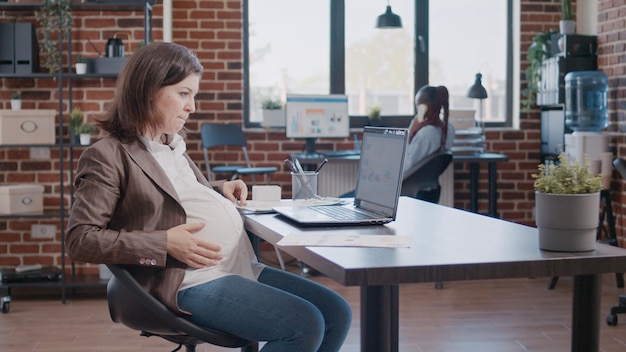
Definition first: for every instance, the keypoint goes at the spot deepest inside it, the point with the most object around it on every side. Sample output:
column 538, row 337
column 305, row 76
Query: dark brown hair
column 152, row 67
column 437, row 99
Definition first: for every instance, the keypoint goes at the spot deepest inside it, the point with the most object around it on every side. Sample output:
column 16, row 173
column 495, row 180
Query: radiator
column 446, row 180
column 339, row 177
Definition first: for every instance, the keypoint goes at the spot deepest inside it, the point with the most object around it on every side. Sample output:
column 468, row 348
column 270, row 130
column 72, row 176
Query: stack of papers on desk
column 260, row 207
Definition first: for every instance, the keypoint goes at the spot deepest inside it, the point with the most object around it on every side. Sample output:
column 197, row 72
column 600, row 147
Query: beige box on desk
column 27, row 126
column 21, row 199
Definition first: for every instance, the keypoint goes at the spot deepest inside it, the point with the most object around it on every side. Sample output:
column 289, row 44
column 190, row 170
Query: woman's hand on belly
column 184, row 246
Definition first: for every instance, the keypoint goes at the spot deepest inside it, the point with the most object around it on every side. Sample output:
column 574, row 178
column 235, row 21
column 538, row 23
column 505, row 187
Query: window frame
column 421, row 62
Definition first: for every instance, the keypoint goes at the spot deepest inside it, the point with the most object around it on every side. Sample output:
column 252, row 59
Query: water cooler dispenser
column 586, row 114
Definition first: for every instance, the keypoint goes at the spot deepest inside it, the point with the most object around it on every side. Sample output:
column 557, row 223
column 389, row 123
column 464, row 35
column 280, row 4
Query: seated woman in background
column 141, row 202
column 429, row 132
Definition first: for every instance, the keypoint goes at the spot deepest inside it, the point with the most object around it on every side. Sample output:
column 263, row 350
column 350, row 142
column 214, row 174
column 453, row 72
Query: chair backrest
column 132, row 306
column 424, row 175
column 217, row 135
column 620, row 166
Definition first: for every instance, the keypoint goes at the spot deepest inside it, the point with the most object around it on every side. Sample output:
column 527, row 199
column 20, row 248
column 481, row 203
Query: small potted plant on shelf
column 273, row 113
column 16, row 101
column 567, row 204
column 77, row 125
column 567, row 25
column 84, row 132
column 81, row 65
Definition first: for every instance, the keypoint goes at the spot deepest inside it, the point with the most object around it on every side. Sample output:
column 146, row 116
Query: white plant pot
column 273, row 118
column 567, row 26
column 567, row 222
column 81, row 68
column 16, row 104
column 85, row 139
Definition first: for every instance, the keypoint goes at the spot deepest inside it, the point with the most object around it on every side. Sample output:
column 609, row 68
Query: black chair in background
column 611, row 319
column 218, row 135
column 132, row 306
column 422, row 180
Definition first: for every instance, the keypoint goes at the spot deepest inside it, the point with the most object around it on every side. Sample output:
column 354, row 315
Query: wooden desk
column 448, row 245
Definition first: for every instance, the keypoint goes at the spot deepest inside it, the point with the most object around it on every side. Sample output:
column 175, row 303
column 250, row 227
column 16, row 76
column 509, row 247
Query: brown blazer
column 123, row 205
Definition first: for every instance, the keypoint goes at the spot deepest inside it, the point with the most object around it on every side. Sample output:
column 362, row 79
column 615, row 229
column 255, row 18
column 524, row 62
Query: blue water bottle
column 586, row 101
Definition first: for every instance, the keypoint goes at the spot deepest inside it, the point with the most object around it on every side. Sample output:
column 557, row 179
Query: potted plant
column 16, row 101
column 373, row 115
column 84, row 132
column 55, row 18
column 81, row 65
column 538, row 51
column 79, row 127
column 273, row 113
column 567, row 205
column 567, row 25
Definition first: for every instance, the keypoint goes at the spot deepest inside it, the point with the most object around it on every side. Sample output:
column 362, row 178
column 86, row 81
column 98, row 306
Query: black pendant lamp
column 477, row 91
column 388, row 19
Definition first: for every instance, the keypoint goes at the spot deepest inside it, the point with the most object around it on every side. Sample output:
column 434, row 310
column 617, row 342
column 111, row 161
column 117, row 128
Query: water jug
column 586, row 101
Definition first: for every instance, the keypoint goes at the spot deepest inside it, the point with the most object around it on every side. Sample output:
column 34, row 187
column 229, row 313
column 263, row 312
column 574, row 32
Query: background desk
column 450, row 245
column 474, row 161
column 339, row 176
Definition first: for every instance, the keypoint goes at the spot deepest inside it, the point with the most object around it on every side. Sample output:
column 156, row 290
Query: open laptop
column 377, row 188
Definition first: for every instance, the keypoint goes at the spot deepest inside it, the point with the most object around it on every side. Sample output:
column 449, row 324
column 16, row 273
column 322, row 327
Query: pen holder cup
column 304, row 184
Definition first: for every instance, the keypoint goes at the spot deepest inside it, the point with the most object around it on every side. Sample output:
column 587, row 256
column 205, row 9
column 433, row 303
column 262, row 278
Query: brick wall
column 213, row 29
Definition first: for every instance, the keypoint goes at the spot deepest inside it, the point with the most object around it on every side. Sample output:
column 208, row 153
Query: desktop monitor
column 317, row 116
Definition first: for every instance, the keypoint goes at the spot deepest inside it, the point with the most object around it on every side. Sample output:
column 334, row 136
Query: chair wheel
column 5, row 307
column 611, row 319
column 439, row 285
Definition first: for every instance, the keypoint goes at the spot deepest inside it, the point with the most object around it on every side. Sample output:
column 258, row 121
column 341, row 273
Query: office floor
column 486, row 316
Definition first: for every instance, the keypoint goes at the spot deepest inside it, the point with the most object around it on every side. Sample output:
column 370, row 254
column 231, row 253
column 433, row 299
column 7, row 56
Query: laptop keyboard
column 339, row 213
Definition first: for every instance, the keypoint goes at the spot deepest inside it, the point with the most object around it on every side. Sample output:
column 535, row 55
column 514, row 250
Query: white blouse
column 224, row 225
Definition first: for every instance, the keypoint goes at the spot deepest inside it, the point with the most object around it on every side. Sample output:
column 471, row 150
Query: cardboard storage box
column 27, row 127
column 21, row 199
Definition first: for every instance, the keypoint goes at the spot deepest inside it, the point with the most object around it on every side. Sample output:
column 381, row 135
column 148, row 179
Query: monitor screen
column 317, row 116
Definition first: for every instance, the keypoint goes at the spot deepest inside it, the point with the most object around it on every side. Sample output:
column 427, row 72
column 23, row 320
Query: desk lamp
column 389, row 19
column 477, row 91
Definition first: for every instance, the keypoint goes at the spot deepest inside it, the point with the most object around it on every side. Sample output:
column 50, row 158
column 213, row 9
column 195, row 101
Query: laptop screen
column 380, row 169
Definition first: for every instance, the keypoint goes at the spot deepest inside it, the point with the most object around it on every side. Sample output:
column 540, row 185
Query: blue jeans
column 288, row 311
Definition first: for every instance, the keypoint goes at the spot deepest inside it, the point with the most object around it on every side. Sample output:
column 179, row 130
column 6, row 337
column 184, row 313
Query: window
column 321, row 47
column 379, row 63
column 289, row 44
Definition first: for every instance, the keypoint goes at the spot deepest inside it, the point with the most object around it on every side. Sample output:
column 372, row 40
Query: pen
column 321, row 165
column 291, row 166
column 298, row 166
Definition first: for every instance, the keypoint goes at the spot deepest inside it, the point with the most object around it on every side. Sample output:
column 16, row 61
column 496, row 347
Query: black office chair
column 422, row 180
column 611, row 319
column 218, row 135
column 132, row 306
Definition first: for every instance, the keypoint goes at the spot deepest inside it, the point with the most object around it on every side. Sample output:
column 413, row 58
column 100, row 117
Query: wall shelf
column 73, row 279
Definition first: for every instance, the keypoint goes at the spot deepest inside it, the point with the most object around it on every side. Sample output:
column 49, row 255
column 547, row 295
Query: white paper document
column 257, row 206
column 336, row 240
